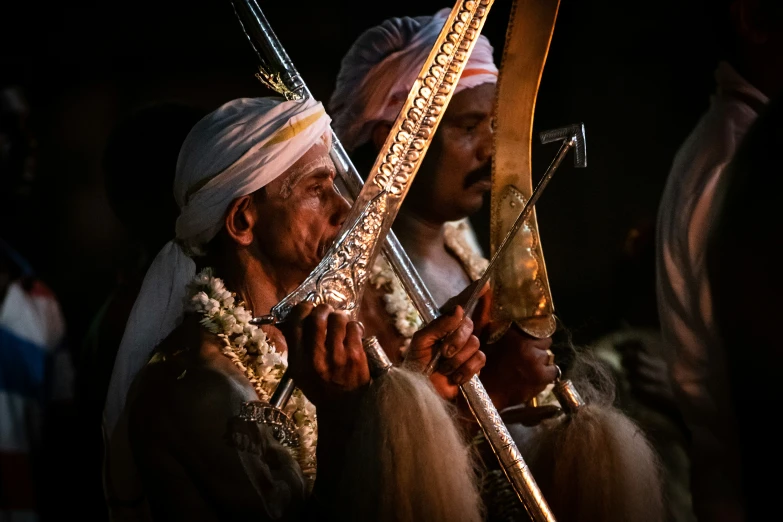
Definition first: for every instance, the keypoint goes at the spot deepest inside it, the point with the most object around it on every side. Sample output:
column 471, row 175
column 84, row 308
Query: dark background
column 638, row 74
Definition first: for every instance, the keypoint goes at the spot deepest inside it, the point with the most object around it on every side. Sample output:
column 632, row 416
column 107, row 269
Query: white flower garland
column 249, row 349
column 398, row 305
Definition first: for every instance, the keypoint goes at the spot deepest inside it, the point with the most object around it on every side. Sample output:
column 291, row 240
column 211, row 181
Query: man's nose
column 484, row 150
column 341, row 209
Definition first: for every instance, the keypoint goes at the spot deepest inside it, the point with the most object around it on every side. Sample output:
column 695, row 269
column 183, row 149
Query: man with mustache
column 373, row 83
column 258, row 208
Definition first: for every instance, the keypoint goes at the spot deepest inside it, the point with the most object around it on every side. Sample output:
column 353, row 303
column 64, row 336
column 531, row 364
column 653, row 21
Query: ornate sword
column 390, row 177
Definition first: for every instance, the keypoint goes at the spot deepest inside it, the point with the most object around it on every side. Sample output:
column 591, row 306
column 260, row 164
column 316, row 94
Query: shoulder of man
column 194, row 389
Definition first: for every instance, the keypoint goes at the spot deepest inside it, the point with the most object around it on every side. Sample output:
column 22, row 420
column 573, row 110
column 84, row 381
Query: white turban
column 231, row 152
column 379, row 70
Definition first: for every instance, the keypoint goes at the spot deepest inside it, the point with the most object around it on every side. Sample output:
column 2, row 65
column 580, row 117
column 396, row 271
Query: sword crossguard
column 575, row 133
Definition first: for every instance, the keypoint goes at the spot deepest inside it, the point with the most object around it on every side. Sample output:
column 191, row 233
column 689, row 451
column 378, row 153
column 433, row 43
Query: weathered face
column 301, row 213
column 455, row 173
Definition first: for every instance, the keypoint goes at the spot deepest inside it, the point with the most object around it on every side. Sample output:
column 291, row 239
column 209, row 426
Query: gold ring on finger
column 361, row 325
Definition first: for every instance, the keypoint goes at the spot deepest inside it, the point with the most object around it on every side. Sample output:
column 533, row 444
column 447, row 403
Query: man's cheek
column 307, row 236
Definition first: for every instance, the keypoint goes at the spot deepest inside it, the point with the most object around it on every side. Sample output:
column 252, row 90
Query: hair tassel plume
column 408, row 459
column 594, row 464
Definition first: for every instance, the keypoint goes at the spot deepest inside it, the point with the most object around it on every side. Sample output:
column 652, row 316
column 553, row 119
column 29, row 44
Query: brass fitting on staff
column 567, row 396
column 377, row 359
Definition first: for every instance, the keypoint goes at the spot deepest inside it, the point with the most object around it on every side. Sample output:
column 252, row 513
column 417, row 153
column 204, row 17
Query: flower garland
column 398, row 305
column 249, row 349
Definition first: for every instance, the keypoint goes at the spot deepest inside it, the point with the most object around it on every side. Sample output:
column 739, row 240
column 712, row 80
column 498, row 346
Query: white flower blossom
column 272, row 359
column 216, row 285
column 242, row 315
column 229, row 322
column 202, row 299
column 212, row 307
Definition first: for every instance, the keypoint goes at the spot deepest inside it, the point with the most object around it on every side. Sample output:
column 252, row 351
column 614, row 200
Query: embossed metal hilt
column 339, row 278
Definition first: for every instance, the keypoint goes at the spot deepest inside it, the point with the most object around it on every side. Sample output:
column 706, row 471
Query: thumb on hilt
column 424, row 349
column 439, row 328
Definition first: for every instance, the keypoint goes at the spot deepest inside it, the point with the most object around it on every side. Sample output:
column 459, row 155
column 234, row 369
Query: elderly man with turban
column 259, row 209
column 372, row 86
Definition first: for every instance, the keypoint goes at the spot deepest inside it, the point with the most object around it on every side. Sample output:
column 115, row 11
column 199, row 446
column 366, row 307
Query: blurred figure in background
column 139, row 164
column 751, row 73
column 746, row 282
column 633, row 351
column 36, row 372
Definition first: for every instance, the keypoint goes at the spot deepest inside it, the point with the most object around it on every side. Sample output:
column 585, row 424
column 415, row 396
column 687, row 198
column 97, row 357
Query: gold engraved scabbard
column 521, row 291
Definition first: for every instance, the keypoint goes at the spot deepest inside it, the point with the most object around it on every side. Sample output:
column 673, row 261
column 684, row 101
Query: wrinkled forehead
column 479, row 99
column 316, row 159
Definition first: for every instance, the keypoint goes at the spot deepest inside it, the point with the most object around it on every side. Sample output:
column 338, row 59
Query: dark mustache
column 480, row 174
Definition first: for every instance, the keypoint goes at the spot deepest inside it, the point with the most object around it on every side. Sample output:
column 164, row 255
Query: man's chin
column 472, row 201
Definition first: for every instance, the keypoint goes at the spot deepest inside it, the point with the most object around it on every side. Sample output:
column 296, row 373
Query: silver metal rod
column 505, row 449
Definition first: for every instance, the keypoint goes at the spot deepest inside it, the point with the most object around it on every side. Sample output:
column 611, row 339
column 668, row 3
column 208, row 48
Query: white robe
column 695, row 353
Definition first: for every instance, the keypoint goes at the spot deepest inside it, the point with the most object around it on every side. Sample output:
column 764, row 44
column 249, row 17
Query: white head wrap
column 379, row 70
column 231, row 152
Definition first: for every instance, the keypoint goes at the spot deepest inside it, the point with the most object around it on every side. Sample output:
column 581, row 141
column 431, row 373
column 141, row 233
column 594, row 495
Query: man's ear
column 379, row 134
column 240, row 220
